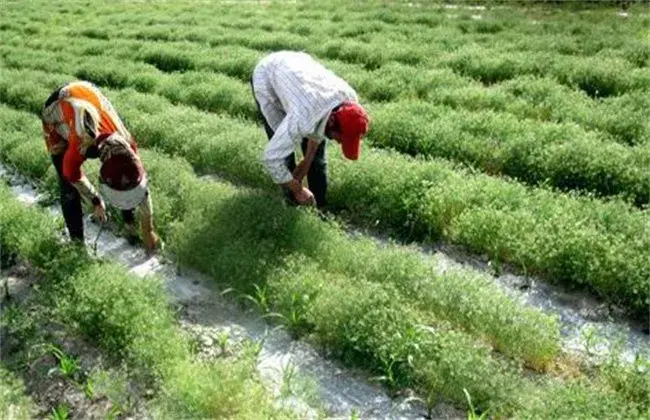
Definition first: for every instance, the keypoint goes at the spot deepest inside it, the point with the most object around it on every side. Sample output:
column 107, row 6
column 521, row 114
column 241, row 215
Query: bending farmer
column 80, row 123
column 304, row 103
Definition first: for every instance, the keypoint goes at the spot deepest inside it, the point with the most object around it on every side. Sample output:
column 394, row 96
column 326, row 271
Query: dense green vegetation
column 208, row 224
column 14, row 403
column 487, row 133
column 577, row 240
column 558, row 152
column 127, row 316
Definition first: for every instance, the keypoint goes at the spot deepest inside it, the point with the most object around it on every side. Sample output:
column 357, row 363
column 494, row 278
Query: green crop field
column 518, row 132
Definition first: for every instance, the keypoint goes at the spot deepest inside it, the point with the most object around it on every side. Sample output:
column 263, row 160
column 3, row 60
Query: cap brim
column 351, row 147
column 125, row 200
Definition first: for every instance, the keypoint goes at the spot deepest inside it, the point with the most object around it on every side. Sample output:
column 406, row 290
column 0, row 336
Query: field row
column 129, row 318
column 558, row 155
column 535, row 30
column 580, row 241
column 485, row 59
column 366, row 314
column 525, row 96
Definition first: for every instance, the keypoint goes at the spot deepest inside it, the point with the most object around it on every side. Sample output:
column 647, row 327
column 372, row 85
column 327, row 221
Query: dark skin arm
column 303, row 195
column 303, row 167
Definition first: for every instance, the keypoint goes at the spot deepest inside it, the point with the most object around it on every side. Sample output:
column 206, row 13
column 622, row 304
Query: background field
column 518, row 133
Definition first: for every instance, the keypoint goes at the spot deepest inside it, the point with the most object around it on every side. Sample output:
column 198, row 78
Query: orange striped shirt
column 71, row 123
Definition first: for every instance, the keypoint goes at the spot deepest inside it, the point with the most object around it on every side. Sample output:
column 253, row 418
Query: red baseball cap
column 353, row 124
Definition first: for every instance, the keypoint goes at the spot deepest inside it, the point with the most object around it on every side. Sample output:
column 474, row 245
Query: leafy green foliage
column 128, row 316
column 60, row 412
column 68, row 366
column 13, row 401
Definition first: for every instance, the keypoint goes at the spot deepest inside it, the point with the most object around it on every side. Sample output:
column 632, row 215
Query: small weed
column 388, row 378
column 89, row 389
column 253, row 348
column 297, row 384
column 114, row 412
column 222, row 340
column 60, row 412
column 260, row 298
column 431, row 402
column 289, row 373
column 68, row 365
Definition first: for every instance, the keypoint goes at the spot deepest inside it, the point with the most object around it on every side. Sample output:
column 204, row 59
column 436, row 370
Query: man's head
column 348, row 124
column 123, row 181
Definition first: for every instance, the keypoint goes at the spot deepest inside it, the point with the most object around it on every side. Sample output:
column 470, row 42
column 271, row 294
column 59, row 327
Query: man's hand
column 303, row 196
column 100, row 211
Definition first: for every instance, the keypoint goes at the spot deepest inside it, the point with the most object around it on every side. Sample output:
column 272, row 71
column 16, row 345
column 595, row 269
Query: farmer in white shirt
column 304, row 103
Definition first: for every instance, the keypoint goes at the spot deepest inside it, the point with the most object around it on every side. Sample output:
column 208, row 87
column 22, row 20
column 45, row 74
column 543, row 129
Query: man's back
column 302, row 83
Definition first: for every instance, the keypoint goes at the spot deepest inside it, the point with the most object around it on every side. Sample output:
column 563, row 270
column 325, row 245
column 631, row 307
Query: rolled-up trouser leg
column 317, row 175
column 70, row 202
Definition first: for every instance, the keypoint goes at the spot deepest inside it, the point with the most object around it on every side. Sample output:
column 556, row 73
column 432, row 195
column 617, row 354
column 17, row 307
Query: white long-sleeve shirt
column 296, row 95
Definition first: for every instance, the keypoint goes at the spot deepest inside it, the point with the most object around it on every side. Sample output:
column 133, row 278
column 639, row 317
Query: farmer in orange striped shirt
column 80, row 123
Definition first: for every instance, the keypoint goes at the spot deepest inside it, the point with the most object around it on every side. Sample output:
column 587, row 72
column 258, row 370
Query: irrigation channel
column 341, row 391
column 587, row 324
column 589, row 327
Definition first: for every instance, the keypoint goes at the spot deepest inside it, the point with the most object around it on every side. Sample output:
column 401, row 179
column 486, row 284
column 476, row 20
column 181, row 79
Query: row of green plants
column 543, row 99
column 410, row 72
column 560, row 32
column 559, row 155
column 130, row 318
column 597, row 76
column 528, row 96
column 486, row 60
column 575, row 240
column 307, row 273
